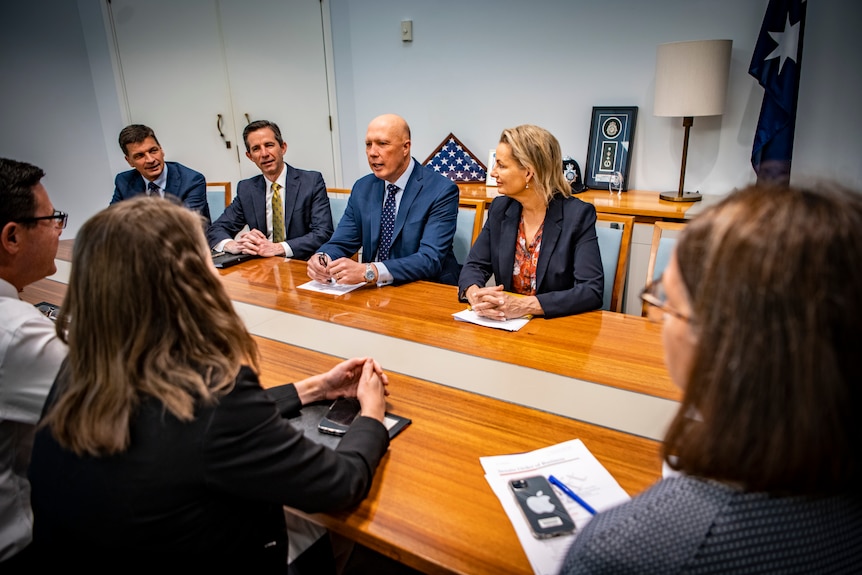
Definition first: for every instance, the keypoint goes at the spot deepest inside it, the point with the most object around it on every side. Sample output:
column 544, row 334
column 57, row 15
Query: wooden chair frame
column 659, row 228
column 480, row 205
column 618, row 289
column 228, row 196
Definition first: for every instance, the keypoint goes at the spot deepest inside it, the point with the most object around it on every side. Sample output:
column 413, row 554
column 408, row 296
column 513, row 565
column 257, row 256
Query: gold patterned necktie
column 277, row 215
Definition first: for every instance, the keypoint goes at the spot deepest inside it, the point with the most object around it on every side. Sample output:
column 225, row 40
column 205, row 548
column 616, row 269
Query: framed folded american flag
column 453, row 160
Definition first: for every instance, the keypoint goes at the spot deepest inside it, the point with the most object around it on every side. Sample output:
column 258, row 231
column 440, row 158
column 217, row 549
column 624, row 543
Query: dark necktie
column 387, row 224
column 152, row 189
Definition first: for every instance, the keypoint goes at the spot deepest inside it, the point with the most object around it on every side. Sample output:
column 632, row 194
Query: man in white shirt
column 30, row 351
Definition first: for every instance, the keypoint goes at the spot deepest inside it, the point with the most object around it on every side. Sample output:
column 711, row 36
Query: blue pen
column 565, row 489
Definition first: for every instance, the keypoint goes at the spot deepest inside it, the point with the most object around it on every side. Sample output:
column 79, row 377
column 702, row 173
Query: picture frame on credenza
column 609, row 152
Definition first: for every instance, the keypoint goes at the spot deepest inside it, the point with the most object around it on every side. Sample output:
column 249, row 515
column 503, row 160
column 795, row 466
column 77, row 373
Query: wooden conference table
column 430, row 506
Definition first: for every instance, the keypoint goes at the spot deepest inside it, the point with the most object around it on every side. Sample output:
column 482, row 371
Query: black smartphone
column 341, row 414
column 540, row 505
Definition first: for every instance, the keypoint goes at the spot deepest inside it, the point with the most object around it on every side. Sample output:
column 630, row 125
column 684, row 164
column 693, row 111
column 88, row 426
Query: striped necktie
column 387, row 223
column 277, row 215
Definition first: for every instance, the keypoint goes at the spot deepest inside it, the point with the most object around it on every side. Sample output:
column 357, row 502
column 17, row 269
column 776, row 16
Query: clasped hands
column 254, row 242
column 494, row 303
column 343, row 271
column 359, row 377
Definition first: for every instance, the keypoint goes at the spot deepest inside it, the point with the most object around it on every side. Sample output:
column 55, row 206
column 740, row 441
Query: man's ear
column 9, row 237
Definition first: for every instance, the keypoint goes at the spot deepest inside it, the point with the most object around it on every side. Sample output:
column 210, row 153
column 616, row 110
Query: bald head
column 387, row 146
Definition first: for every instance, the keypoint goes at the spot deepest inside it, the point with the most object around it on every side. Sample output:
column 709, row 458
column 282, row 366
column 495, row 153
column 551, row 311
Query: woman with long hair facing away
column 761, row 306
column 158, row 445
column 539, row 241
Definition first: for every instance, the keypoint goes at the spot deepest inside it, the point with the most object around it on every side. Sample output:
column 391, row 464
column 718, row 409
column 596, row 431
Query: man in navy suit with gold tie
column 402, row 215
column 286, row 209
column 153, row 175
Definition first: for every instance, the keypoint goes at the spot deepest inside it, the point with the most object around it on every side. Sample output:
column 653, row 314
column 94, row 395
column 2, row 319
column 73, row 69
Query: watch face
column 369, row 273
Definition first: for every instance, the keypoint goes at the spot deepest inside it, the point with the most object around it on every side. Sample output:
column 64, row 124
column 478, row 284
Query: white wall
column 49, row 106
column 473, row 68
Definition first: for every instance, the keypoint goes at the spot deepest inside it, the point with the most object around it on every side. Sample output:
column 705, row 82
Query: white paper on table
column 573, row 464
column 471, row 316
column 330, row 288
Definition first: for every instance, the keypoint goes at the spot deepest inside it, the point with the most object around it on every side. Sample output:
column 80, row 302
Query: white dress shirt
column 30, row 356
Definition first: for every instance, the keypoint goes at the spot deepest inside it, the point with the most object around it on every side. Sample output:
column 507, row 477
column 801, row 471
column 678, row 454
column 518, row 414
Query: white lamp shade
column 691, row 78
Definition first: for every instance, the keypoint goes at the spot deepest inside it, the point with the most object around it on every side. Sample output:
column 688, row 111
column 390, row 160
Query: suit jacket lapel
column 258, row 201
column 550, row 236
column 411, row 192
column 508, row 237
column 172, row 186
column 375, row 212
column 288, row 197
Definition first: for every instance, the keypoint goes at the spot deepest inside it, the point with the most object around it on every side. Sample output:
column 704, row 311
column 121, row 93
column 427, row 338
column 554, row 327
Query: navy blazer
column 569, row 274
column 424, row 227
column 184, row 183
column 307, row 217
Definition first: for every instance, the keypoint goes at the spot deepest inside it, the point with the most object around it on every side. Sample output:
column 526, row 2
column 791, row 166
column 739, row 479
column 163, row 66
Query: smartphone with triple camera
column 340, row 415
column 541, row 507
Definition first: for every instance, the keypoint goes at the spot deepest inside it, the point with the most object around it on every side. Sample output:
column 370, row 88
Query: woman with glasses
column 158, row 445
column 539, row 241
column 762, row 312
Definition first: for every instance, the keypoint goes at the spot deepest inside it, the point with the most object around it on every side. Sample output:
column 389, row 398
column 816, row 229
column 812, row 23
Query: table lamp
column 690, row 80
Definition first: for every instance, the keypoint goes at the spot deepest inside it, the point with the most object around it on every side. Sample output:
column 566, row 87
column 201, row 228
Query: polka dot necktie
column 277, row 215
column 387, row 224
column 152, row 189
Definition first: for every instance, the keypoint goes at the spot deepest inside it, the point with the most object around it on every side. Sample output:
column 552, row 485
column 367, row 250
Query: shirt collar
column 280, row 180
column 161, row 181
column 405, row 177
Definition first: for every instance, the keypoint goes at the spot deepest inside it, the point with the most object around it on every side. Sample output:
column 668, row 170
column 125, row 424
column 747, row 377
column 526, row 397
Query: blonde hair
column 145, row 315
column 538, row 150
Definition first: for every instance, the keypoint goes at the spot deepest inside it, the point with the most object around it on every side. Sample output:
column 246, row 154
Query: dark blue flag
column 453, row 160
column 776, row 63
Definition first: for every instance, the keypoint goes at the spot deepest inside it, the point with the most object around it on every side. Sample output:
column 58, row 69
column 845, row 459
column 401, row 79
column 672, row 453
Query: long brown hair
column 774, row 277
column 144, row 315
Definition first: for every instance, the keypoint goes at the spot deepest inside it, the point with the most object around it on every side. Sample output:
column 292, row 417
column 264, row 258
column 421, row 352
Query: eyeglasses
column 61, row 217
column 654, row 296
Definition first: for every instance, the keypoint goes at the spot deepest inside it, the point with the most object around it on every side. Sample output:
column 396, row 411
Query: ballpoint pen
column 565, row 489
column 321, row 257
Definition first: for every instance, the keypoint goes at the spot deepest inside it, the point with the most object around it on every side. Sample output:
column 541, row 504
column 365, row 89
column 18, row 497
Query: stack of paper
column 573, row 464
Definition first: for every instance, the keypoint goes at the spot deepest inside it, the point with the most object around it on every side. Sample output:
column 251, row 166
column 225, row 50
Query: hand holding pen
column 323, row 260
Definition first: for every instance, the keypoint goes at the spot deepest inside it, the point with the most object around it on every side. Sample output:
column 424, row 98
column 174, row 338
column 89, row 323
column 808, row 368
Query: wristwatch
column 369, row 273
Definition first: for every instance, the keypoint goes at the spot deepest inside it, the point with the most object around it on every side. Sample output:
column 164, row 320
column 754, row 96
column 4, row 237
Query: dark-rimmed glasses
column 61, row 217
column 655, row 297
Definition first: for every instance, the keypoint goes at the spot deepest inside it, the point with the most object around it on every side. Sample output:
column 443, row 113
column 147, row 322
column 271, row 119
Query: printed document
column 573, row 464
column 330, row 288
column 471, row 316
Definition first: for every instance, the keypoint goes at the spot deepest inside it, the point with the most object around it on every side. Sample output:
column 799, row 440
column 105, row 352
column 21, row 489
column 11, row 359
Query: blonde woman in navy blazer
column 559, row 271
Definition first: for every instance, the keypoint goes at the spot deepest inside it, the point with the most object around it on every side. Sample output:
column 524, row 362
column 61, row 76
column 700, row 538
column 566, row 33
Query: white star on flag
column 788, row 44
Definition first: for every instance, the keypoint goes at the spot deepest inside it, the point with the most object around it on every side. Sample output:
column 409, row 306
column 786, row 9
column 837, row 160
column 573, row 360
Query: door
column 197, row 70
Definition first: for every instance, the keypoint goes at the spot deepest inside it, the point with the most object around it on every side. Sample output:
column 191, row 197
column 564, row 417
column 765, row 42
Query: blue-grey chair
column 218, row 198
column 660, row 249
column 615, row 239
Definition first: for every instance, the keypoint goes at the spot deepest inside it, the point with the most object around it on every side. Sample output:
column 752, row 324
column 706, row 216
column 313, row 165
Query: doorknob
column 220, row 133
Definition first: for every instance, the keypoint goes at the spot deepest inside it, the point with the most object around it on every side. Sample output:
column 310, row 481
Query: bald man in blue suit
column 426, row 212
column 151, row 174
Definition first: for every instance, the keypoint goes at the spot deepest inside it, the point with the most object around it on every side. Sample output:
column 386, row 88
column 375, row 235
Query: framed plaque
column 612, row 132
